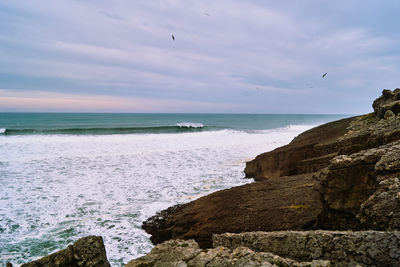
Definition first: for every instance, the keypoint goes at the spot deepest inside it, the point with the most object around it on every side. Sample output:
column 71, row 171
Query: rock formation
column 366, row 248
column 86, row 252
column 290, row 203
column 188, row 253
column 388, row 101
column 309, row 152
column 343, row 175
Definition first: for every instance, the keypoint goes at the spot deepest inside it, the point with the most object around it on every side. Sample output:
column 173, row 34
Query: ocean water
column 65, row 176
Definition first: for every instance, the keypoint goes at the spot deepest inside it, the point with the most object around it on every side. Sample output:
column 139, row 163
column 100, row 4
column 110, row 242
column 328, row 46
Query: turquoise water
column 65, row 176
column 74, row 123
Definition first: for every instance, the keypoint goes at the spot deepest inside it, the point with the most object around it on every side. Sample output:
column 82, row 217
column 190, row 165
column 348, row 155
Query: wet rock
column 369, row 248
column 87, row 251
column 187, row 253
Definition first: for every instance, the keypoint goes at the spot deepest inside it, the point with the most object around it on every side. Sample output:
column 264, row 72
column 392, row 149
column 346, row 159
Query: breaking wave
column 179, row 127
column 189, row 125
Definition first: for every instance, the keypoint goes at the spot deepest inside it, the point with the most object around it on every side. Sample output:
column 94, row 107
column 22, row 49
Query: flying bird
column 207, row 14
column 323, row 76
column 173, row 37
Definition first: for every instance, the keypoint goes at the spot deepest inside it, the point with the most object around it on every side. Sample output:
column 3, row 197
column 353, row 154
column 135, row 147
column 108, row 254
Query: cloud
column 124, row 49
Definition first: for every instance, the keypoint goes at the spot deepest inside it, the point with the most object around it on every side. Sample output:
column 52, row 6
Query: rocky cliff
column 343, row 175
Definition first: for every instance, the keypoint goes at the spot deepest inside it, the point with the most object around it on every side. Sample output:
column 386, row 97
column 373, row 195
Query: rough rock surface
column 291, row 202
column 338, row 176
column 187, row 253
column 369, row 248
column 362, row 190
column 369, row 131
column 87, row 251
column 388, row 101
column 309, row 152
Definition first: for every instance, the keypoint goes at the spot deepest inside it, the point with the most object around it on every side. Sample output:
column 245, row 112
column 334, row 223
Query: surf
column 178, row 128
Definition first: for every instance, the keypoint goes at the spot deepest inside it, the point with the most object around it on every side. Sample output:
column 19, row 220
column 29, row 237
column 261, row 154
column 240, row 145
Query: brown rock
column 388, row 101
column 359, row 190
column 308, row 152
column 291, row 202
column 87, row 251
column 369, row 131
column 388, row 115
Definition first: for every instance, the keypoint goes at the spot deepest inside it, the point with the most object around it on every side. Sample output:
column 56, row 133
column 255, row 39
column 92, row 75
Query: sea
column 64, row 176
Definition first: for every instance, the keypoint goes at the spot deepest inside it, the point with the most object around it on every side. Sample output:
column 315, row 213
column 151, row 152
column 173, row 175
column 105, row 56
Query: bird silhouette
column 173, row 37
column 323, row 76
column 207, row 14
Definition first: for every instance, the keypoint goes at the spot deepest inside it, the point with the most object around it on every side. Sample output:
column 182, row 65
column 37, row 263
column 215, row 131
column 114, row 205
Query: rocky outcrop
column 291, row 202
column 309, row 152
column 339, row 176
column 368, row 248
column 312, row 150
column 188, row 253
column 86, row 252
column 369, row 131
column 361, row 190
column 388, row 101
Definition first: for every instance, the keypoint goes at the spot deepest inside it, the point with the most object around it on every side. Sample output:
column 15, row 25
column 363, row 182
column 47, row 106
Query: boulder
column 86, row 252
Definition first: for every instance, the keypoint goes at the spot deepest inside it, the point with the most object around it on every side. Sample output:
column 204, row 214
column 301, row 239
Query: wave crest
column 2, row 130
column 189, row 125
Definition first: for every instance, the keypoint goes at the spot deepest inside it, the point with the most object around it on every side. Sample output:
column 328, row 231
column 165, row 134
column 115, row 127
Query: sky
column 228, row 56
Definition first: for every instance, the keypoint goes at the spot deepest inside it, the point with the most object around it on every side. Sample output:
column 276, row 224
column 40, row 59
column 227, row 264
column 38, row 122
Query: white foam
column 2, row 130
column 189, row 125
column 107, row 185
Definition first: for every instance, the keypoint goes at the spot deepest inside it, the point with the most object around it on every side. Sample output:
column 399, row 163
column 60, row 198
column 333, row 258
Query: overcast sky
column 253, row 56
